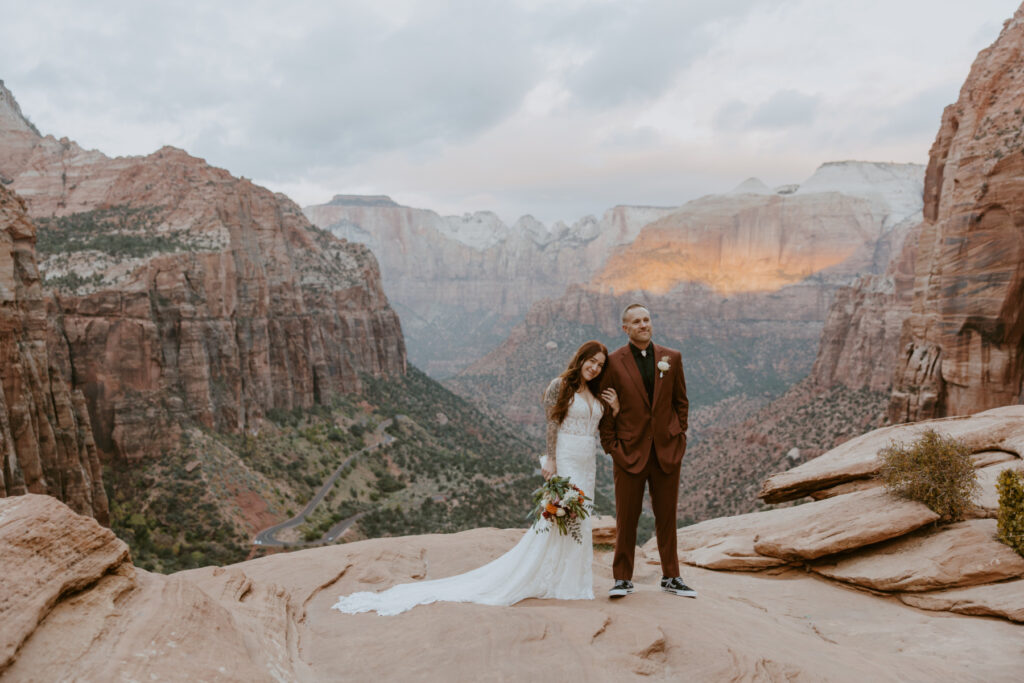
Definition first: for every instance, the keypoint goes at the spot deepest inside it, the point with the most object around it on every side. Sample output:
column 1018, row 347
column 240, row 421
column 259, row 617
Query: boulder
column 962, row 554
column 834, row 525
column 725, row 542
column 48, row 551
column 1004, row 600
column 603, row 529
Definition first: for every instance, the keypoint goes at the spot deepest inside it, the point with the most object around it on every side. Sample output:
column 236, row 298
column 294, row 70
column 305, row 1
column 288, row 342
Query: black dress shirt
column 646, row 366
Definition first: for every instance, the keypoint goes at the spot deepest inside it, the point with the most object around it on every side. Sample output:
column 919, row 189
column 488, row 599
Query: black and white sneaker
column 621, row 588
column 676, row 585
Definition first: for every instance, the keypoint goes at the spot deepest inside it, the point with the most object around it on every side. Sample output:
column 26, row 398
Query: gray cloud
column 638, row 49
column 784, row 109
column 274, row 98
column 919, row 114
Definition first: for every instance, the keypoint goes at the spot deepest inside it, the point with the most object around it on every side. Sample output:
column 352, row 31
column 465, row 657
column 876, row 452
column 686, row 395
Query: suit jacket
column 641, row 422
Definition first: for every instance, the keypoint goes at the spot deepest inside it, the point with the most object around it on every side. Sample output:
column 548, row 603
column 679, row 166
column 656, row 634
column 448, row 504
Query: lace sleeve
column 550, row 398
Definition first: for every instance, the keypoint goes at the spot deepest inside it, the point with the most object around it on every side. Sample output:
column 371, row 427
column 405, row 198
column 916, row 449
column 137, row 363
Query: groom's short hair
column 635, row 304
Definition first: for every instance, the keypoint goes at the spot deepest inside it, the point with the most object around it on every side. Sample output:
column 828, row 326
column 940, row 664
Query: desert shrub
column 1011, row 509
column 933, row 469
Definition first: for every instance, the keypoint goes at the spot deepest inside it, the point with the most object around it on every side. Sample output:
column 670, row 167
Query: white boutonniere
column 663, row 366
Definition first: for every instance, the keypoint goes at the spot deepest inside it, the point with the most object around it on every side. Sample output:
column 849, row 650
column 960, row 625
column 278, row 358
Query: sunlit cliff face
column 751, row 244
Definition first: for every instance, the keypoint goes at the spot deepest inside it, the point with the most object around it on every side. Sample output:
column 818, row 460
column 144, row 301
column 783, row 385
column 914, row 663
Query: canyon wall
column 846, row 219
column 187, row 293
column 46, row 441
column 462, row 282
column 962, row 346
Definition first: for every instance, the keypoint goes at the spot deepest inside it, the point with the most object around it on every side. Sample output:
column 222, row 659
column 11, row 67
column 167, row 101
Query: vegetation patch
column 1010, row 518
column 122, row 231
column 933, row 469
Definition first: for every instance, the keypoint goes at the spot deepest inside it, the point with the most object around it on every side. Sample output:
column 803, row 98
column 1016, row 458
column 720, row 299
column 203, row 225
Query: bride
column 541, row 565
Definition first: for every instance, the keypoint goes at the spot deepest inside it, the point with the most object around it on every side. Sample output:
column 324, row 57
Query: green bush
column 1011, row 509
column 935, row 470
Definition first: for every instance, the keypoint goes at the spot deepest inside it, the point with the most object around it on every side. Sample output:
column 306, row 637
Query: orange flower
column 551, row 508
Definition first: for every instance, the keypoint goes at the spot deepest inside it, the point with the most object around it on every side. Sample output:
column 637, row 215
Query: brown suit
column 646, row 441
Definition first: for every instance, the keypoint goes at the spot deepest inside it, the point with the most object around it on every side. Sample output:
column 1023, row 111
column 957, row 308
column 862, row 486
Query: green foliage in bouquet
column 933, row 469
column 1011, row 509
column 561, row 503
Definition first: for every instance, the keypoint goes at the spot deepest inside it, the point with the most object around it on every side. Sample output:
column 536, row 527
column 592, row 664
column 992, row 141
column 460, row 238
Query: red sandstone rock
column 962, row 347
column 963, row 554
column 1004, row 600
column 252, row 308
column 46, row 438
column 48, row 552
column 603, row 529
column 270, row 620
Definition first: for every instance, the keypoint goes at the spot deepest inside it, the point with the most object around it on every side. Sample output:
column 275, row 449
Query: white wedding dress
column 544, row 564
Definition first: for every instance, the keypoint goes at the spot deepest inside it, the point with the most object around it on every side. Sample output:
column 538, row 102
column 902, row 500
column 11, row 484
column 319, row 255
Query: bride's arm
column 551, row 436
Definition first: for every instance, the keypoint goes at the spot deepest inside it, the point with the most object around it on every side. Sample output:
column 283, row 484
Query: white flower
column 663, row 366
column 561, row 512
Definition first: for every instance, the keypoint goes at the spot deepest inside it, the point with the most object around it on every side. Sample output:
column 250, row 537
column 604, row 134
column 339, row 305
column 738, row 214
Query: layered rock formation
column 859, row 534
column 843, row 221
column 962, row 349
column 81, row 610
column 46, row 439
column 461, row 282
column 189, row 294
column 945, row 325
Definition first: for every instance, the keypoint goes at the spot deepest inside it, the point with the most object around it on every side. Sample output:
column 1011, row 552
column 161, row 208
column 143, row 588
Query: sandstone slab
column 834, row 525
column 847, row 487
column 725, row 542
column 270, row 620
column 999, row 429
column 48, row 551
column 603, row 529
column 761, row 540
column 1005, row 599
column 962, row 554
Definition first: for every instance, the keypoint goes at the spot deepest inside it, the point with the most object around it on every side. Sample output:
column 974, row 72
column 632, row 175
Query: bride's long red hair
column 572, row 379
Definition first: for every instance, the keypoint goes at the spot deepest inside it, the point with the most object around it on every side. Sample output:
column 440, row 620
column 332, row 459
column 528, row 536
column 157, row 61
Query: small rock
column 603, row 529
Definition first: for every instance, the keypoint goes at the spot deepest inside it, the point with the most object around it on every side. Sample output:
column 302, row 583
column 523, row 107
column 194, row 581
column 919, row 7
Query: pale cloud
column 558, row 109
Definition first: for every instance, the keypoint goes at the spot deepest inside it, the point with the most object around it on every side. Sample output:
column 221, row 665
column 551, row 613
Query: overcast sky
column 553, row 108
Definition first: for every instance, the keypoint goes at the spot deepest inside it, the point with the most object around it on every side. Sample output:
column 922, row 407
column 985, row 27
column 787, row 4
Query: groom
column 646, row 439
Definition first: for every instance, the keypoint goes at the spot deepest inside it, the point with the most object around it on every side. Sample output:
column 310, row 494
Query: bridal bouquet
column 561, row 503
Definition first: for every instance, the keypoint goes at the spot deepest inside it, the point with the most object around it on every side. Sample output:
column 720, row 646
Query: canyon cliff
column 462, row 282
column 942, row 329
column 189, row 294
column 962, row 345
column 46, row 440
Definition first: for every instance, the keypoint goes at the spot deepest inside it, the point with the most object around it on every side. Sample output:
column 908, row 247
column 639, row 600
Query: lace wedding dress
column 541, row 565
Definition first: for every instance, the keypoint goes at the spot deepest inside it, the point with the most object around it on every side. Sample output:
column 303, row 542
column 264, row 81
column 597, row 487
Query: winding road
column 268, row 537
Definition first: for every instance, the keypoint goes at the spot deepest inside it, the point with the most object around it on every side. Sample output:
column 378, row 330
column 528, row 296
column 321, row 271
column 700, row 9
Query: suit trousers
column 629, row 497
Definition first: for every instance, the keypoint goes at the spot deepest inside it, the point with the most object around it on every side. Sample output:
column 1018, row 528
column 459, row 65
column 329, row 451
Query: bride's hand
column 612, row 399
column 548, row 468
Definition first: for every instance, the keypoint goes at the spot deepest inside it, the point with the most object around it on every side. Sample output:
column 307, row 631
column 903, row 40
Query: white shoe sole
column 685, row 594
column 622, row 592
